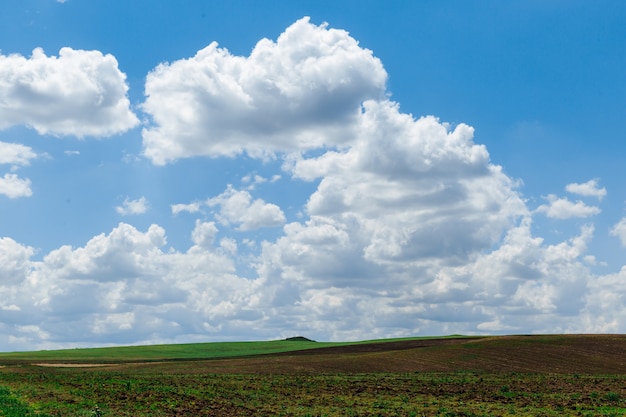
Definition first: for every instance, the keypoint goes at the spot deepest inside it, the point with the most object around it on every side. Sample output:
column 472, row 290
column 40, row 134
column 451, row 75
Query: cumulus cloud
column 14, row 187
column 300, row 92
column 587, row 189
column 415, row 189
column 410, row 198
column 79, row 93
column 238, row 207
column 562, row 208
column 128, row 207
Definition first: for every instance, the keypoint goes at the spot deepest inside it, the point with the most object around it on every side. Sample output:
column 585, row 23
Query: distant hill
column 549, row 354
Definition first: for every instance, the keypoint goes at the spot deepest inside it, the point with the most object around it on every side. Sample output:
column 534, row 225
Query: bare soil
column 555, row 354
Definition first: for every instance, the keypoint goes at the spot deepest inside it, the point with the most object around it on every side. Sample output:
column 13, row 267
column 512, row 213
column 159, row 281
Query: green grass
column 188, row 351
column 10, row 406
column 163, row 352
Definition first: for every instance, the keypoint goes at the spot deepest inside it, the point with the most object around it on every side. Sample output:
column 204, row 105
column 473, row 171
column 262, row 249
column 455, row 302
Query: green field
column 401, row 377
column 187, row 351
column 163, row 352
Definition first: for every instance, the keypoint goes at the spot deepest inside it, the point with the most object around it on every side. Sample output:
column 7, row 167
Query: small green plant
column 612, row 396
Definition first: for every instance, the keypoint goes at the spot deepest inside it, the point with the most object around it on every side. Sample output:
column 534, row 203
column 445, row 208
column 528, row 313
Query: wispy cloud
column 189, row 208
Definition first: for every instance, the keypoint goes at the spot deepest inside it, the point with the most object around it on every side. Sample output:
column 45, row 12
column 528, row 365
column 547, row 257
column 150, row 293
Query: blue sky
column 174, row 172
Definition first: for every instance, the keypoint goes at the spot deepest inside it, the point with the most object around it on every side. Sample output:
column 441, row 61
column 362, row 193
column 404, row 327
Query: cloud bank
column 410, row 228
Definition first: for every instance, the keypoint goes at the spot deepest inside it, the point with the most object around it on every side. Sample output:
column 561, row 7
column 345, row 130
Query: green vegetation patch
column 11, row 406
column 126, row 392
column 187, row 351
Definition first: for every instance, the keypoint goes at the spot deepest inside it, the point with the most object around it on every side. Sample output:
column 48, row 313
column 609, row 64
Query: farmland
column 581, row 375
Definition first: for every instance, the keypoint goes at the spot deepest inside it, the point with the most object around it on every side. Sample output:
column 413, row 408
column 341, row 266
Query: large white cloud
column 80, row 93
column 300, row 92
column 414, row 189
column 409, row 199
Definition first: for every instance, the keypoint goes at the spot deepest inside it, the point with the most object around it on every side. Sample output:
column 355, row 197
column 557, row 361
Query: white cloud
column 562, row 208
column 14, row 261
column 408, row 201
column 16, row 154
column 619, row 230
column 301, row 92
column 587, row 189
column 238, row 207
column 605, row 310
column 204, row 234
column 13, row 187
column 129, row 207
column 80, row 93
column 123, row 288
column 189, row 208
column 413, row 189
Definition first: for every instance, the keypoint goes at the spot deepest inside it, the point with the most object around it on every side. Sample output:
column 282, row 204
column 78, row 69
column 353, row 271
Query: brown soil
column 71, row 365
column 558, row 354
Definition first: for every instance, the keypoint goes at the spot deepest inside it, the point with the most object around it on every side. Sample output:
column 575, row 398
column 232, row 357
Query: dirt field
column 580, row 375
column 567, row 354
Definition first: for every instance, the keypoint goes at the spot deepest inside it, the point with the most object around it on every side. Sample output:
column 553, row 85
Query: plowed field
column 564, row 354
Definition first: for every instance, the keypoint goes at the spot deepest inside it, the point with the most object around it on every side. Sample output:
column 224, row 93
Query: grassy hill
column 540, row 353
column 188, row 351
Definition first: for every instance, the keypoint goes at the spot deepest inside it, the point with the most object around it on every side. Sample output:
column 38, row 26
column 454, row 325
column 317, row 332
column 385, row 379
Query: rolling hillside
column 544, row 354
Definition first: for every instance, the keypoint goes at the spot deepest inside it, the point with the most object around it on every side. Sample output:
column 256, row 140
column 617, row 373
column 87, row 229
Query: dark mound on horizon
column 299, row 339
